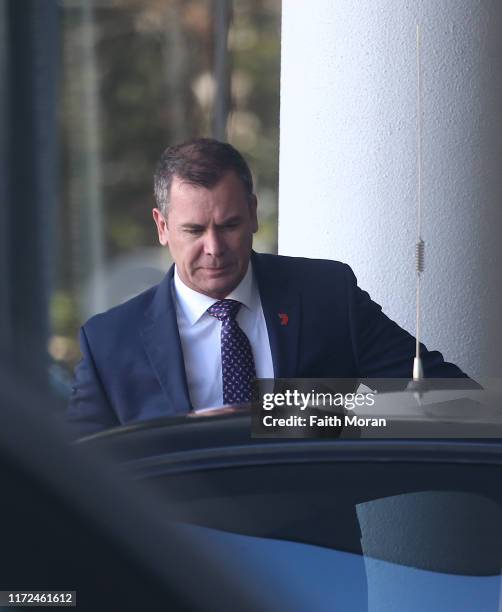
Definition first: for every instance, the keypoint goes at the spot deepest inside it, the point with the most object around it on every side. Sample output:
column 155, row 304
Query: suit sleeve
column 89, row 410
column 382, row 348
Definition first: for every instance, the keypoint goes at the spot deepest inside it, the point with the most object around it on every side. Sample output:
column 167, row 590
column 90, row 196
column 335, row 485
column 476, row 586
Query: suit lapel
column 281, row 307
column 163, row 345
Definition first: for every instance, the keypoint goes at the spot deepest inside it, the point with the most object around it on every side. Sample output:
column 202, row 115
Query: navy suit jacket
column 132, row 367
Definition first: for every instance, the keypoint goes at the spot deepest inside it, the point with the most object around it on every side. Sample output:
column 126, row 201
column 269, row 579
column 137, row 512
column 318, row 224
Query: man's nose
column 214, row 243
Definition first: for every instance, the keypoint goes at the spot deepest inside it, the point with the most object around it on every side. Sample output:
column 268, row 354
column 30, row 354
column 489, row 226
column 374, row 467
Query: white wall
column 348, row 159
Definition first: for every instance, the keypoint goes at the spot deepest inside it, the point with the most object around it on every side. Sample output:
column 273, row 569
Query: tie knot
column 224, row 310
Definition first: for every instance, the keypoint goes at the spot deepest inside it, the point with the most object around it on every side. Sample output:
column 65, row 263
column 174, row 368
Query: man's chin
column 218, row 291
column 218, row 286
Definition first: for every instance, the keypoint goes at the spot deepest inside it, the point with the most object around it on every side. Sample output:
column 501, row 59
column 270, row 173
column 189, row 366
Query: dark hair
column 202, row 162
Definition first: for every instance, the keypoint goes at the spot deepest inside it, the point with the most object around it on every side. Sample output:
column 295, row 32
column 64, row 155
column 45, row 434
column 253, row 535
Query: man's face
column 209, row 233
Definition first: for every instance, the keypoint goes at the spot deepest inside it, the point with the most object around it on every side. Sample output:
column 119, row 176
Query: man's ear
column 162, row 228
column 253, row 209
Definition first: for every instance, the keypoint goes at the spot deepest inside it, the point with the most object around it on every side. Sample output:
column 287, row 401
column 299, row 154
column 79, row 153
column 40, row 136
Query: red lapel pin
column 283, row 317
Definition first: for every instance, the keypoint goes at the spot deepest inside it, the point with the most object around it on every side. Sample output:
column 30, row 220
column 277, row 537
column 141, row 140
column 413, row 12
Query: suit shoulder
column 304, row 267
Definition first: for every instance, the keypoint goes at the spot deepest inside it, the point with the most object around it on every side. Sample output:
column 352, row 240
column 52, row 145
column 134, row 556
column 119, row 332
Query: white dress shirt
column 201, row 342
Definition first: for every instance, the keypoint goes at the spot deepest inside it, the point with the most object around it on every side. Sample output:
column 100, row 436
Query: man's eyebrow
column 233, row 219
column 192, row 226
column 197, row 226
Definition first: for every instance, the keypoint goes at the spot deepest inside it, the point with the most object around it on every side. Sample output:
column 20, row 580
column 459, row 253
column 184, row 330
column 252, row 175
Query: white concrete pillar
column 348, row 159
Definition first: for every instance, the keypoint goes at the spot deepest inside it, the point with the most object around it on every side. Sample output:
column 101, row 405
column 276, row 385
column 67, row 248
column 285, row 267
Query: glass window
column 137, row 76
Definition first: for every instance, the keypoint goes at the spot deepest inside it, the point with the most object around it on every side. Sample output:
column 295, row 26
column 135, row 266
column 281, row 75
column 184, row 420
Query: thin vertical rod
column 419, row 136
column 419, row 187
column 222, row 20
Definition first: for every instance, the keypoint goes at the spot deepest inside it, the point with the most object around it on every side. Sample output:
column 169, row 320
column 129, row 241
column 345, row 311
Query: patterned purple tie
column 237, row 361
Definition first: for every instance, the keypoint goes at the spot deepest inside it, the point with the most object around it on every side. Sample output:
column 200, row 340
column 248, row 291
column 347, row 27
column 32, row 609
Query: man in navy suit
column 163, row 352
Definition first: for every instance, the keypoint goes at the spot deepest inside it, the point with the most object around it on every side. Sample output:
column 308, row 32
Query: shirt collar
column 193, row 304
